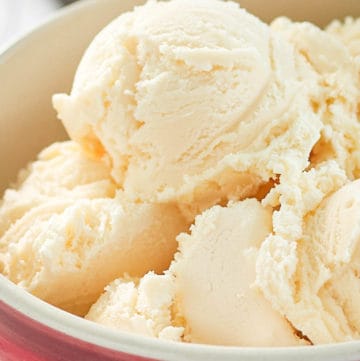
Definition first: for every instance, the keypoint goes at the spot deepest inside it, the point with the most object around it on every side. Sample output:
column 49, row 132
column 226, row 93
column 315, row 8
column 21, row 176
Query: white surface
column 19, row 16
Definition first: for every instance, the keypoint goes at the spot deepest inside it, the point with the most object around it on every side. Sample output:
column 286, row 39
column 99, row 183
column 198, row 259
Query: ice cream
column 215, row 275
column 143, row 306
column 209, row 287
column 66, row 233
column 188, row 106
column 62, row 171
column 315, row 281
column 322, row 163
column 337, row 101
column 302, row 268
column 196, row 112
column 349, row 33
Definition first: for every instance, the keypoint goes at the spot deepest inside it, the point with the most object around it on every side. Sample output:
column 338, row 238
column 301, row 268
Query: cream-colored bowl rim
column 38, row 310
column 99, row 335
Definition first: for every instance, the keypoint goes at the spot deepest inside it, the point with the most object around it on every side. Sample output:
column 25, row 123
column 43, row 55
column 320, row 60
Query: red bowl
column 23, row 338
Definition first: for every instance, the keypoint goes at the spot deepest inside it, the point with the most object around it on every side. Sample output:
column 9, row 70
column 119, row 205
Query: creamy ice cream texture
column 176, row 109
column 137, row 305
column 213, row 272
column 66, row 233
column 62, row 171
column 315, row 281
column 189, row 106
column 337, row 100
column 348, row 33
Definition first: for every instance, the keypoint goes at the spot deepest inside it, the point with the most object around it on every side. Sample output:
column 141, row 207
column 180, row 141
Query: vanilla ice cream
column 315, row 280
column 66, row 234
column 62, row 170
column 338, row 99
column 143, row 306
column 210, row 286
column 349, row 33
column 196, row 112
column 294, row 270
column 215, row 275
column 189, row 106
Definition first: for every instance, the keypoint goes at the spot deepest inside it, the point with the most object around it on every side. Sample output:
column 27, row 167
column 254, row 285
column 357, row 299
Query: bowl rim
column 116, row 340
column 14, row 43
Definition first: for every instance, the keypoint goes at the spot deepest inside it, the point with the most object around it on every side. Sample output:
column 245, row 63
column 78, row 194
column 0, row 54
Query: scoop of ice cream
column 215, row 274
column 291, row 270
column 66, row 251
column 209, row 288
column 64, row 234
column 141, row 306
column 63, row 170
column 315, row 281
column 193, row 101
column 338, row 99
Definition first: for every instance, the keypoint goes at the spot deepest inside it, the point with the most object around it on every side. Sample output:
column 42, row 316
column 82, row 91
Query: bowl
column 31, row 70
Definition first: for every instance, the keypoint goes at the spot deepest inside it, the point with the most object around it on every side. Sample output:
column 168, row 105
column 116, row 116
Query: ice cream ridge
column 210, row 191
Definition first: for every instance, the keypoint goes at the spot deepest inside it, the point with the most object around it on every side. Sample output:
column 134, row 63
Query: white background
column 19, row 16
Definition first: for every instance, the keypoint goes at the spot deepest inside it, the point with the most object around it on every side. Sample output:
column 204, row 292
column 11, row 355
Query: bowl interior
column 44, row 63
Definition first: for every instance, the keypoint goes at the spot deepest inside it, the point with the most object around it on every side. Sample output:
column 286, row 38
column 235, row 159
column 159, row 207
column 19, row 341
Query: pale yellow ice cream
column 337, row 101
column 176, row 109
column 215, row 275
column 309, row 154
column 295, row 197
column 210, row 287
column 349, row 33
column 65, row 234
column 315, row 281
column 143, row 306
column 300, row 267
column 193, row 101
column 62, row 170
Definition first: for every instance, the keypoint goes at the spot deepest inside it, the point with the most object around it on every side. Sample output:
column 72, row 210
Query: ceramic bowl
column 31, row 70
